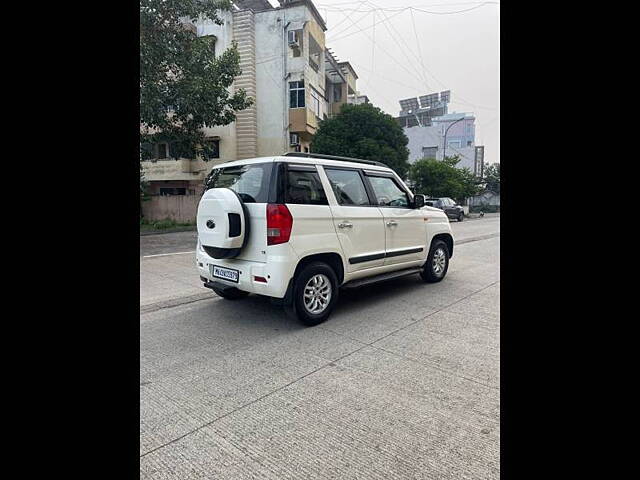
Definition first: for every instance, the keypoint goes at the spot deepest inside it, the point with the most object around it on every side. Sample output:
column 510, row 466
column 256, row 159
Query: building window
column 454, row 143
column 469, row 143
column 429, row 152
column 162, row 151
column 296, row 94
column 214, row 146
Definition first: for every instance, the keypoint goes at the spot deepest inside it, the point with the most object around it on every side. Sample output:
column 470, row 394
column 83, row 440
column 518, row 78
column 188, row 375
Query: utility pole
column 444, row 152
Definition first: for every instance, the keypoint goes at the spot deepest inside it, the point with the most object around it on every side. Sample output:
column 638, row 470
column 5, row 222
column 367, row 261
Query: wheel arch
column 333, row 259
column 447, row 238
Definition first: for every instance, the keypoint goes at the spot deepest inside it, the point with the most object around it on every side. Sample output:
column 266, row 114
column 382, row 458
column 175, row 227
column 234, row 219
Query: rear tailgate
column 256, row 248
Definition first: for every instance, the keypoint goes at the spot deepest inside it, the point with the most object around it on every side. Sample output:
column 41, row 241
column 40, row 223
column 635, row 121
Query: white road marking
column 167, row 254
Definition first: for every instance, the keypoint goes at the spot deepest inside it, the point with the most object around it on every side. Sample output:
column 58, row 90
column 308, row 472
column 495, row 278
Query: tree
column 492, row 177
column 441, row 178
column 183, row 85
column 366, row 132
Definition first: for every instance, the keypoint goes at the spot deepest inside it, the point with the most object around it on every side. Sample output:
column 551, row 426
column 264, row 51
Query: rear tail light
column 279, row 223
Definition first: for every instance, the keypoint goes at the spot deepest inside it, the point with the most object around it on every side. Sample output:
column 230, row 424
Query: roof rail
column 334, row 157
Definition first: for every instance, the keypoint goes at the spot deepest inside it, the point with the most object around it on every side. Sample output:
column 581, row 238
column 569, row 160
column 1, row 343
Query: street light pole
column 444, row 152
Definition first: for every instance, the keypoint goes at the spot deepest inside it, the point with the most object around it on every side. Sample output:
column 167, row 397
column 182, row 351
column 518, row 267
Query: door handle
column 391, row 223
column 345, row 225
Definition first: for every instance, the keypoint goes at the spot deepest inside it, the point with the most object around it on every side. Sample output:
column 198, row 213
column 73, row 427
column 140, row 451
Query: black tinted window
column 348, row 187
column 250, row 182
column 305, row 188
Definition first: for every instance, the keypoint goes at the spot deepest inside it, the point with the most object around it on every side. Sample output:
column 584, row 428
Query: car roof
column 304, row 161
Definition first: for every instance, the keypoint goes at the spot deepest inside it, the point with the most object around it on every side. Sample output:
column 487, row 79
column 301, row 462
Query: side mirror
column 418, row 201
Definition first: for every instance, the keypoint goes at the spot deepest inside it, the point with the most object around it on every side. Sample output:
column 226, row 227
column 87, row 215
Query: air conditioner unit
column 294, row 139
column 292, row 35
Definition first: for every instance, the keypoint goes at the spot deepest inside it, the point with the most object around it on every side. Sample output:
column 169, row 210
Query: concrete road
column 401, row 382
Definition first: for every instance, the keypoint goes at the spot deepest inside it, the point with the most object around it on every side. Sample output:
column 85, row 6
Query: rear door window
column 304, row 187
column 250, row 182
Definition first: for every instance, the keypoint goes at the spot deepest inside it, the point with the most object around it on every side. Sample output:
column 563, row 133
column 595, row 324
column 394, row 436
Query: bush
column 162, row 224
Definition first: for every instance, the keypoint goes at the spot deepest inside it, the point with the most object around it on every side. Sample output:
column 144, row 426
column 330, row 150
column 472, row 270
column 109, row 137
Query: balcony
column 170, row 169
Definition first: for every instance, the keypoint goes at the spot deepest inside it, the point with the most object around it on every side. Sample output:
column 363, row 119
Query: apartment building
column 295, row 81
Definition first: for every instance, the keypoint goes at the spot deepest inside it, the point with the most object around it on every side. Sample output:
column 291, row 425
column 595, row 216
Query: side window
column 388, row 193
column 304, row 188
column 347, row 186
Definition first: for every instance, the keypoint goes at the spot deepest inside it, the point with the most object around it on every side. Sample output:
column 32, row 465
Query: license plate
column 225, row 273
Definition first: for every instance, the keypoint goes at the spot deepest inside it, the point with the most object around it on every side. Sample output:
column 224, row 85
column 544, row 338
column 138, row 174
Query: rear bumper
column 278, row 270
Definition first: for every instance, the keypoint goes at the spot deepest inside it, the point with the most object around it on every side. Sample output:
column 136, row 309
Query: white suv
column 300, row 226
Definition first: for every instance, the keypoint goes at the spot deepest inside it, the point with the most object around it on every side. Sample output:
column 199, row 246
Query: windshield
column 250, row 182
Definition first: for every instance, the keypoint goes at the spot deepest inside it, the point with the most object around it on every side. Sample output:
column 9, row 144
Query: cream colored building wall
column 270, row 83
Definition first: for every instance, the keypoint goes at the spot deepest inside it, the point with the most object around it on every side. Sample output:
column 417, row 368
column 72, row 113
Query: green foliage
column 485, row 207
column 184, row 86
column 440, row 178
column 364, row 131
column 492, row 177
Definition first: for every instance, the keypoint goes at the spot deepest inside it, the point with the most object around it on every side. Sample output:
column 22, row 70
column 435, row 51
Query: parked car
column 299, row 227
column 450, row 207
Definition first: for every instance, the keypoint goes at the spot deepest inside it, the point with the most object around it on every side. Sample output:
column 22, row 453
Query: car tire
column 461, row 216
column 315, row 293
column 437, row 264
column 230, row 293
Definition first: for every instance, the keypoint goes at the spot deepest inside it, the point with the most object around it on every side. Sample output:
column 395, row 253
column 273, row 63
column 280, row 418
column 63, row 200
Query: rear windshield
column 250, row 182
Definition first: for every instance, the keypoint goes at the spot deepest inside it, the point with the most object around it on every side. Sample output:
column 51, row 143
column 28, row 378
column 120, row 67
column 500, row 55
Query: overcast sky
column 458, row 52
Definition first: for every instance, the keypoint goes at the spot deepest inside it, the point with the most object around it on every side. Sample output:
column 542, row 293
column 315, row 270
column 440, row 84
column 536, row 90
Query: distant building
column 425, row 125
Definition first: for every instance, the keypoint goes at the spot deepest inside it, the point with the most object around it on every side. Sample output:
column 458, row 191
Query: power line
column 414, row 6
column 417, row 8
column 347, row 16
column 415, row 32
column 362, row 29
column 388, row 24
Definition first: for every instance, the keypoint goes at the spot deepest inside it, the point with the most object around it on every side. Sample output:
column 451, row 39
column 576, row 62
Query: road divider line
column 168, row 254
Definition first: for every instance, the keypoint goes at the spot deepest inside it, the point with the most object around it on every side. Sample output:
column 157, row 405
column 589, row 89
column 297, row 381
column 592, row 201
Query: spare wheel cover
column 223, row 223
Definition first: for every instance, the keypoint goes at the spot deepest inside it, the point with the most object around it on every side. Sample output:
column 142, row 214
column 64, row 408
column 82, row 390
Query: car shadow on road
column 257, row 310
